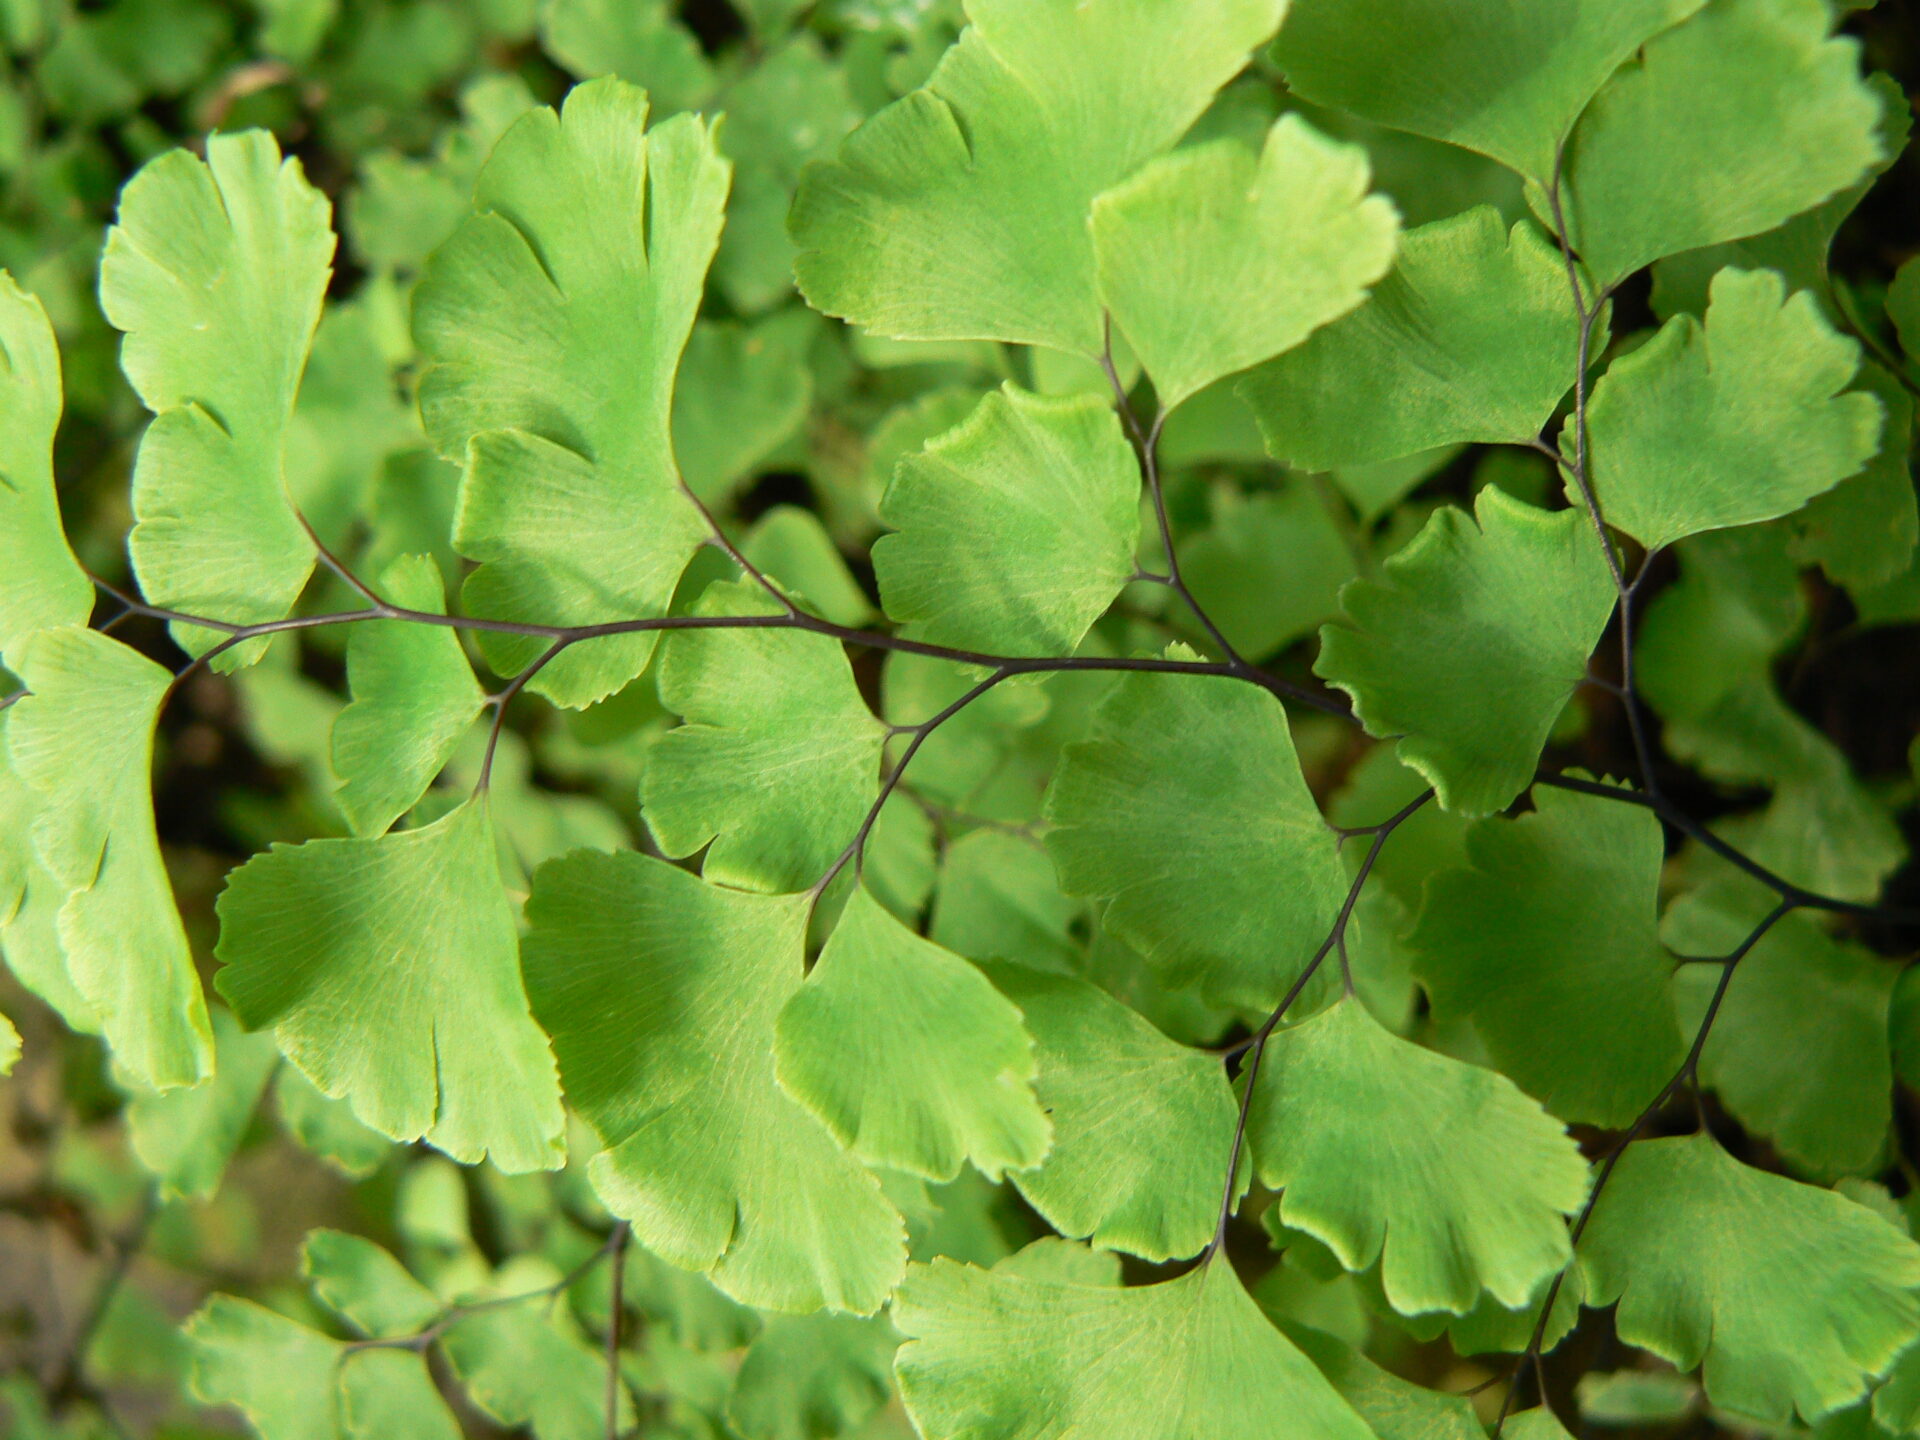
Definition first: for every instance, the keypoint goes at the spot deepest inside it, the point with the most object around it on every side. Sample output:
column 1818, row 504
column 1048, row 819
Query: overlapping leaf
column 41, row 585
column 1721, row 127
column 908, row 1054
column 1546, row 940
column 81, row 746
column 779, row 757
column 414, row 696
column 216, row 272
column 1794, row 1298
column 1015, row 530
column 389, row 971
column 1444, row 1172
column 993, row 1355
column 1471, row 642
column 960, row 211
column 1141, row 1126
column 1734, row 421
column 1187, row 814
column 717, row 1169
column 1267, row 248
column 1472, row 337
column 1506, row 80
column 552, row 323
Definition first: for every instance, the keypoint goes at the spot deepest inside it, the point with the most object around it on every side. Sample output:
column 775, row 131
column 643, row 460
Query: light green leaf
column 293, row 1383
column 1506, row 80
column 187, row 1136
column 993, row 1355
column 1731, row 422
column 1212, row 259
column 638, row 40
column 1546, row 940
column 779, row 757
column 81, row 745
column 414, row 697
column 1016, row 528
column 909, row 1055
column 551, row 324
column 1141, row 1126
column 1795, row 1298
column 326, row 1126
column 1722, row 127
column 388, row 970
column 216, row 271
column 42, row 585
column 807, row 1376
column 1863, row 531
column 960, row 212
column 1187, row 814
column 999, row 899
column 793, row 106
column 716, row 1168
column 1396, row 1409
column 9, row 1046
column 1799, row 1050
column 1473, row 337
column 1903, row 305
column 365, row 1286
column 1387, row 1151
column 791, row 547
column 1269, row 569
column 1471, row 642
column 1630, row 1399
column 527, row 1364
column 741, row 391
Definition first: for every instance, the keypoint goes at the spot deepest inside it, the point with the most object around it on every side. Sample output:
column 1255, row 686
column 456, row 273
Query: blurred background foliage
column 117, row 1219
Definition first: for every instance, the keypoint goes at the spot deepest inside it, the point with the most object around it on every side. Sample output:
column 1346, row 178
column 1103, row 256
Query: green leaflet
column 9, row 1046
column 638, row 40
column 960, row 211
column 414, row 696
column 1506, row 80
column 1186, row 813
column 81, row 744
column 716, row 1168
column 909, row 1055
column 1141, row 1126
column 1385, row 1150
column 807, row 1376
column 1016, row 529
column 794, row 106
column 42, row 585
column 1471, row 642
column 779, row 758
column 1269, row 568
column 551, row 324
column 739, row 392
column 389, row 972
column 1721, row 127
column 999, row 899
column 365, row 1286
column 1795, row 1298
column 1472, row 337
column 293, row 1383
column 992, row 1355
column 326, row 1126
column 1546, row 941
column 1863, row 531
column 1903, row 306
column 1213, row 258
column 1727, row 423
column 1799, row 1051
column 216, row 272
column 186, row 1136
column 1395, row 1409
column 792, row 549
column 528, row 1364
